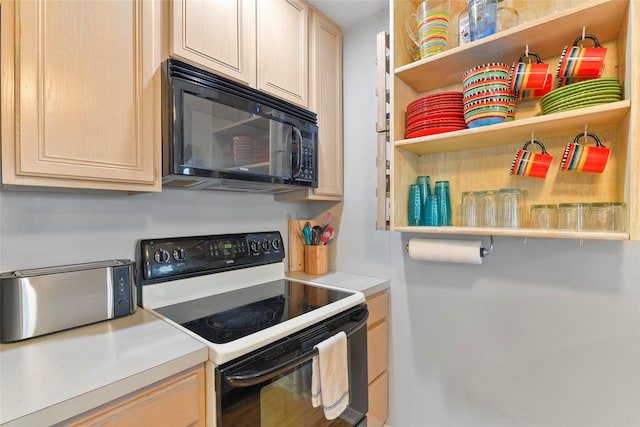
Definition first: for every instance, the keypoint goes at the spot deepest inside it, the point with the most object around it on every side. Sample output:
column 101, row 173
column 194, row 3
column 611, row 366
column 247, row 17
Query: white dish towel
column 330, row 376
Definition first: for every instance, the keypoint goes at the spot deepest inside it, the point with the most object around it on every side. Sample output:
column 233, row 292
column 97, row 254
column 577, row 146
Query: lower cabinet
column 175, row 402
column 378, row 359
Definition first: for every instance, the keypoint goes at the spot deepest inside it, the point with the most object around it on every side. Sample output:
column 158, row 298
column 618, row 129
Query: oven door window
column 284, row 401
column 220, row 137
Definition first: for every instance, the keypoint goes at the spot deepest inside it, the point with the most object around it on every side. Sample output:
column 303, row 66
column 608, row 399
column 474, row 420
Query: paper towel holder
column 483, row 251
column 486, row 251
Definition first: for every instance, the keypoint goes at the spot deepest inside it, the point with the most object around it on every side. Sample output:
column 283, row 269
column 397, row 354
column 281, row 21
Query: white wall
column 543, row 333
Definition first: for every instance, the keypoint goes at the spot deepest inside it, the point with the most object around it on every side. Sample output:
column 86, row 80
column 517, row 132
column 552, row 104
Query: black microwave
column 221, row 135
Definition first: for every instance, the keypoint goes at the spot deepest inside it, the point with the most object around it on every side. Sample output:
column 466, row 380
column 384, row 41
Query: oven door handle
column 253, row 378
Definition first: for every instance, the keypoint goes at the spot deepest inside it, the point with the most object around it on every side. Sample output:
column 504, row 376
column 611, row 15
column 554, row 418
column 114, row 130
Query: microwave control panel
column 307, row 162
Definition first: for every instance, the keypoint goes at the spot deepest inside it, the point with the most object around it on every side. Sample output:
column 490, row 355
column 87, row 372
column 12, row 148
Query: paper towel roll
column 462, row 251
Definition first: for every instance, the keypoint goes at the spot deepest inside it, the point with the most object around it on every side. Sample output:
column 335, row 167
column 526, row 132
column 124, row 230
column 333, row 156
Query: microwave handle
column 252, row 378
column 296, row 170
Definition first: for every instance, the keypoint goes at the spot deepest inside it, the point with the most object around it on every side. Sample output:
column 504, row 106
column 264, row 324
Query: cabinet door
column 178, row 401
column 378, row 401
column 283, row 62
column 217, row 34
column 326, row 100
column 85, row 93
column 378, row 361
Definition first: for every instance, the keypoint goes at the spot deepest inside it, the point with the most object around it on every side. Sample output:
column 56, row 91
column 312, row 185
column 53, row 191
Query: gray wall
column 543, row 333
column 39, row 229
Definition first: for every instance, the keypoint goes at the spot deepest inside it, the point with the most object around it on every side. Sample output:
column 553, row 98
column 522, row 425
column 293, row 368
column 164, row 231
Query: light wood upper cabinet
column 263, row 44
column 325, row 95
column 80, row 94
column 217, row 34
column 326, row 100
column 283, row 60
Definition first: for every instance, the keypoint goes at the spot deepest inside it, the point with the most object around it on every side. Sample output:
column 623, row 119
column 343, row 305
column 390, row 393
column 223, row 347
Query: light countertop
column 366, row 284
column 48, row 379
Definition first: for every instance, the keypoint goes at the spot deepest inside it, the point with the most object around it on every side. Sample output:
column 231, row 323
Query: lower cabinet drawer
column 177, row 401
column 377, row 349
column 378, row 401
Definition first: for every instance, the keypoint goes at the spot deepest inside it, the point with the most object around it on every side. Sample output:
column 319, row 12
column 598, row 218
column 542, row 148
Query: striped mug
column 527, row 163
column 585, row 158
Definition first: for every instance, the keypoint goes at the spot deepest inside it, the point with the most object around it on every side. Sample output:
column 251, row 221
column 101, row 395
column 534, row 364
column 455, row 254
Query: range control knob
column 161, row 256
column 276, row 244
column 265, row 245
column 179, row 254
column 255, row 246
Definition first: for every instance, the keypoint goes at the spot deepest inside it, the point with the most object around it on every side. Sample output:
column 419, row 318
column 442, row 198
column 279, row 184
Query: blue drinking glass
column 444, row 202
column 425, row 191
column 415, row 205
column 431, row 211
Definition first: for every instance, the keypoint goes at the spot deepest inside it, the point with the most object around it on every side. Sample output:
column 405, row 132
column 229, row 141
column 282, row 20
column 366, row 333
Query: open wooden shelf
column 447, row 68
column 478, row 159
column 516, row 232
column 546, row 126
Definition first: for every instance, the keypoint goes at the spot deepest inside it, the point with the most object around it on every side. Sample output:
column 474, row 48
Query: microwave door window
column 222, row 138
column 281, row 164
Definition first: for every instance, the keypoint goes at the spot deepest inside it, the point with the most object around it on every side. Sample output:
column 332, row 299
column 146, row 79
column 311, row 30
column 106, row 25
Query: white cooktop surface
column 169, row 293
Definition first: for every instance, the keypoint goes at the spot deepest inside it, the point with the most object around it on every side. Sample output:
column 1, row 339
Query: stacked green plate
column 582, row 94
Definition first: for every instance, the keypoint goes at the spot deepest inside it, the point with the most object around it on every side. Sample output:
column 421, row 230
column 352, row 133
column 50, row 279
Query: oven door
column 271, row 387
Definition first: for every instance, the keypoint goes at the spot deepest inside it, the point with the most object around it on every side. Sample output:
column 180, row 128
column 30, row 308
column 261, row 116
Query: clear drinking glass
column 608, row 217
column 511, row 208
column 490, row 206
column 507, row 15
column 472, row 210
column 619, row 216
column 573, row 216
column 543, row 216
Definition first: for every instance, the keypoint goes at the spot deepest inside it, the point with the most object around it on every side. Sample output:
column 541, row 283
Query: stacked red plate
column 432, row 114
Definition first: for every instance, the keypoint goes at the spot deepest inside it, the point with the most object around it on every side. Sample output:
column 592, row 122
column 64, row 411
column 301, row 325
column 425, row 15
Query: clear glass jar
column 573, row 216
column 508, row 16
column 543, row 216
column 512, row 208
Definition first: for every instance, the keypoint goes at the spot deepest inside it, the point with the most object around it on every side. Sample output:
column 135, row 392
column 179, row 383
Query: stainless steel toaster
column 44, row 300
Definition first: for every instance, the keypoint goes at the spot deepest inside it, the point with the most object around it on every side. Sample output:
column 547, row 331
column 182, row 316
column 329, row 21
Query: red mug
column 579, row 63
column 585, row 158
column 535, row 93
column 527, row 75
column 527, row 163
